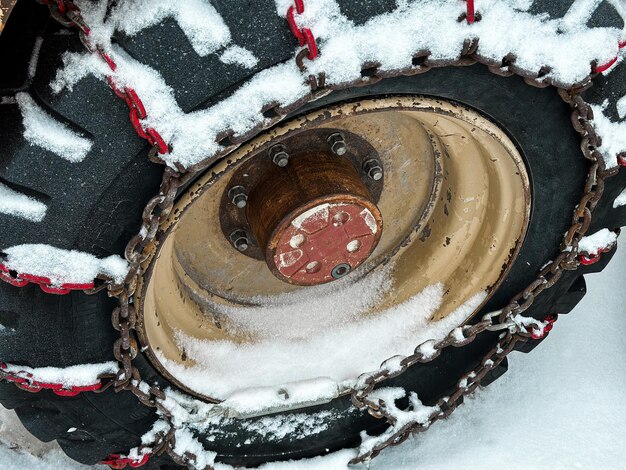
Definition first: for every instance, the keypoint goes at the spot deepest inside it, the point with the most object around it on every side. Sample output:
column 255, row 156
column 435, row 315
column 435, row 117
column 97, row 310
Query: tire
column 95, row 206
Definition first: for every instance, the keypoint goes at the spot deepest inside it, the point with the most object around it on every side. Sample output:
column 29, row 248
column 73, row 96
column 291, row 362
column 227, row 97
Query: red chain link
column 609, row 64
column 550, row 319
column 116, row 461
column 304, row 35
column 26, row 382
column 470, row 15
column 71, row 16
column 593, row 258
column 588, row 260
column 45, row 283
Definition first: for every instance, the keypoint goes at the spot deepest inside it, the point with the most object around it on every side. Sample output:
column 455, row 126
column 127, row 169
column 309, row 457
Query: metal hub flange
column 314, row 219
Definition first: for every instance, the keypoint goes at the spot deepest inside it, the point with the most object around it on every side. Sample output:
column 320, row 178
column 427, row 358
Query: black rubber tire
column 99, row 207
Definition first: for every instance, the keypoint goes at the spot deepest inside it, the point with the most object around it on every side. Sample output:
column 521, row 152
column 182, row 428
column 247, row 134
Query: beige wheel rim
column 455, row 204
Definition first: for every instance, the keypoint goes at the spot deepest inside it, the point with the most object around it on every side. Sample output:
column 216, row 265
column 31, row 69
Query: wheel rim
column 455, row 200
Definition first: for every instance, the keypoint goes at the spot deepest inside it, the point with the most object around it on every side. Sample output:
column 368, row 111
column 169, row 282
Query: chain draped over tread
column 25, row 381
column 509, row 320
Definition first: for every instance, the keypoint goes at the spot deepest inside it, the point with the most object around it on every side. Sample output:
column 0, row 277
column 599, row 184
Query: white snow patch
column 296, row 426
column 389, row 39
column 335, row 461
column 579, row 14
column 621, row 107
column 239, row 55
column 63, row 266
column 72, row 376
column 198, row 19
column 613, row 135
column 292, row 339
column 258, row 401
column 44, row 131
column 602, row 239
column 21, row 205
column 620, row 200
column 34, row 57
column 76, row 66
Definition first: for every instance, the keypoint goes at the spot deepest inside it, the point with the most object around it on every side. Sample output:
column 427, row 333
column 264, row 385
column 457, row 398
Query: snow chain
column 513, row 325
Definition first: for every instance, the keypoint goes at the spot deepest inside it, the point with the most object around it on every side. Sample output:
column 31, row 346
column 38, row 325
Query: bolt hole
column 370, row 70
column 419, row 59
column 313, row 267
column 340, row 270
column 340, row 218
column 271, row 111
column 225, row 139
column 353, row 246
column 297, row 241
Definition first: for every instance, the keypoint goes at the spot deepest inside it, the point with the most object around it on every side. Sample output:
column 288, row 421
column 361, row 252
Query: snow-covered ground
column 562, row 407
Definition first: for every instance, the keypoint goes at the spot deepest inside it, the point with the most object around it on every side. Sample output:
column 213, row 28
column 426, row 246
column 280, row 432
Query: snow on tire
column 76, row 173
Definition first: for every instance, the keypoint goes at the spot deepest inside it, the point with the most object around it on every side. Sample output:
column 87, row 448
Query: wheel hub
column 310, row 214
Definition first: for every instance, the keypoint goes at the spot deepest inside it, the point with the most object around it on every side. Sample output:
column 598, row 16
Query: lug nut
column 337, row 144
column 373, row 169
column 239, row 239
column 238, row 196
column 278, row 154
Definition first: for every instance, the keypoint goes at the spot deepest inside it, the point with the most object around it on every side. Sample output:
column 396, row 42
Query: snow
column 620, row 200
column 20, row 451
column 198, row 19
column 621, row 107
column 579, row 14
column 42, row 130
column 416, row 412
column 389, row 39
column 329, row 339
column 555, row 409
column 591, row 417
column 258, row 401
column 63, row 266
column 594, row 243
column 83, row 374
column 239, row 55
column 613, row 134
column 21, row 205
column 34, row 58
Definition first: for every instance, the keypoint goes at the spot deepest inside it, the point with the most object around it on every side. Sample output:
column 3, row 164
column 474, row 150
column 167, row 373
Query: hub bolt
column 239, row 239
column 238, row 196
column 278, row 154
column 373, row 169
column 341, row 270
column 337, row 144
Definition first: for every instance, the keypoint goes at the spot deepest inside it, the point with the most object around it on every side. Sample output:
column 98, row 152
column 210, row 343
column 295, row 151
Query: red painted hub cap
column 325, row 242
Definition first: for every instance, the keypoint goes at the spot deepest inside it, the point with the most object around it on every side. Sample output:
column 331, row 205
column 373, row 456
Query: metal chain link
column 509, row 320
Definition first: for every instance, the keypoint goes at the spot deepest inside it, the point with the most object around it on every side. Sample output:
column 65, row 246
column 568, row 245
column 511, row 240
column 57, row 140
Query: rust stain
column 5, row 10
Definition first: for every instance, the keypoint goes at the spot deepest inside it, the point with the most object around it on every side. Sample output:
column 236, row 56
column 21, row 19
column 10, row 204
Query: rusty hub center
column 307, row 206
column 314, row 219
